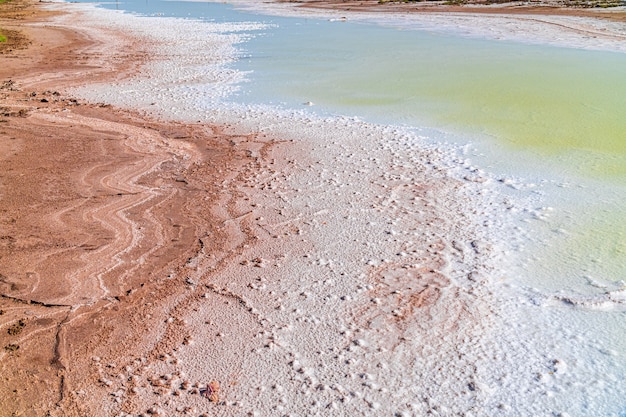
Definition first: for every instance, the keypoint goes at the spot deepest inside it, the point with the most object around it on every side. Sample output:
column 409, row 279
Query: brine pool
column 548, row 123
column 547, row 118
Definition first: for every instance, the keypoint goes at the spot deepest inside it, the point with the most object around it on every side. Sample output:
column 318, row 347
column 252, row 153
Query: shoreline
column 279, row 266
column 561, row 27
column 543, row 8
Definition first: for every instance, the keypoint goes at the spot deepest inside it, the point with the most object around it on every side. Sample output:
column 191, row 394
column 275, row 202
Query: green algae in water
column 567, row 105
column 568, row 108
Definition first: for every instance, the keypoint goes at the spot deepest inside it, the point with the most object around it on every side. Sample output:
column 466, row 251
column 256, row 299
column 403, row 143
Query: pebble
column 559, row 366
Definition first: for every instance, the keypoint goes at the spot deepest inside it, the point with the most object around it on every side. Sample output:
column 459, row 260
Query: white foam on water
column 355, row 314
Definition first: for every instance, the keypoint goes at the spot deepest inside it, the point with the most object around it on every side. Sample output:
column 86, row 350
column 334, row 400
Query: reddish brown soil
column 100, row 211
column 546, row 7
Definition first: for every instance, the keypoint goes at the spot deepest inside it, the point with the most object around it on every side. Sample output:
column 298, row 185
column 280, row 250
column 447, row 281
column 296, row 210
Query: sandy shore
column 143, row 258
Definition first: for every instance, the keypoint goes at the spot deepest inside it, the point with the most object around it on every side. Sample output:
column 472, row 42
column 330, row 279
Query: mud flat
column 101, row 211
column 168, row 254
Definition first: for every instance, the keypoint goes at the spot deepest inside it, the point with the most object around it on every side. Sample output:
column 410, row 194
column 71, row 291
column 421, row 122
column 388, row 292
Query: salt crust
column 380, row 286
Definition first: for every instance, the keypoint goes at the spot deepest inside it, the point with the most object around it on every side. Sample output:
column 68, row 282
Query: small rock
column 155, row 411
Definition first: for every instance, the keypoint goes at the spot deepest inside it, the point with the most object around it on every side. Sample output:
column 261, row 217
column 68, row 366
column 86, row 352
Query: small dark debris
column 7, row 112
column 44, row 100
column 9, row 85
column 11, row 347
column 16, row 328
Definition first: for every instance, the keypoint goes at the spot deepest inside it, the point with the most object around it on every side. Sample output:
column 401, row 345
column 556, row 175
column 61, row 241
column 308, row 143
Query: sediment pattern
column 100, row 209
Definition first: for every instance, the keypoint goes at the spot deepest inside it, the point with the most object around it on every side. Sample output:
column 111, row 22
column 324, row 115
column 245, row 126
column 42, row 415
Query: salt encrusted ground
column 329, row 267
column 370, row 286
column 343, row 270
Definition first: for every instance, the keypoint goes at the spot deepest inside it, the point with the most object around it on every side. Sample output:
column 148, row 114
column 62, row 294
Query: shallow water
column 547, row 123
column 548, row 100
column 556, row 115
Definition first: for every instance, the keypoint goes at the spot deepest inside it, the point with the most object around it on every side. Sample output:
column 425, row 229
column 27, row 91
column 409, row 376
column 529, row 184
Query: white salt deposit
column 380, row 282
column 177, row 73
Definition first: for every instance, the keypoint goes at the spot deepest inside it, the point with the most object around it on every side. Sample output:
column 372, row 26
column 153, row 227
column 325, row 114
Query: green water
column 561, row 106
column 568, row 105
column 547, row 114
